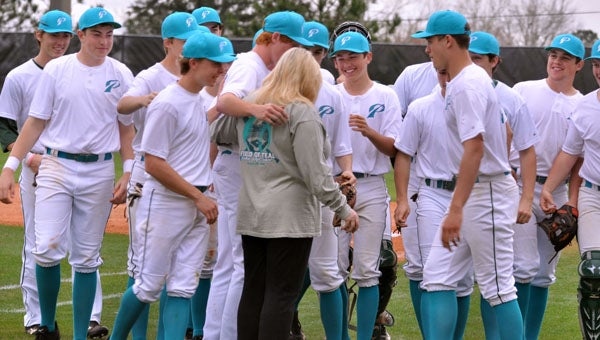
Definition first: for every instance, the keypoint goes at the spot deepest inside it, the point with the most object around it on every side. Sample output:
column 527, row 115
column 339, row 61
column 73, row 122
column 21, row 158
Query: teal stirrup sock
column 331, row 313
column 48, row 285
column 366, row 311
column 160, row 328
column 344, row 292
column 139, row 331
column 488, row 316
column 175, row 316
column 199, row 302
column 439, row 311
column 538, row 297
column 523, row 290
column 415, row 296
column 305, row 285
column 84, row 292
column 463, row 304
column 128, row 313
column 508, row 314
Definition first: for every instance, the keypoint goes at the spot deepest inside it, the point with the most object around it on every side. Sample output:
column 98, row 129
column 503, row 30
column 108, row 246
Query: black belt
column 440, row 184
column 542, row 179
column 202, row 188
column 79, row 157
column 362, row 175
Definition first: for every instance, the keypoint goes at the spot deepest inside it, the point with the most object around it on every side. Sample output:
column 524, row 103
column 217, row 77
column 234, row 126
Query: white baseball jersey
column 424, row 131
column 379, row 105
column 327, row 77
column 73, row 125
column 18, row 90
column 334, row 116
column 208, row 100
column 176, row 119
column 583, row 136
column 472, row 108
column 551, row 112
column 152, row 79
column 414, row 82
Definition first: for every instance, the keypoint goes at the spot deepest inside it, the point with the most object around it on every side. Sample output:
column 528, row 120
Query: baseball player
column 484, row 50
column 175, row 145
column 375, row 121
column 209, row 17
column 476, row 231
column 583, row 140
column 175, row 29
column 73, row 114
column 551, row 102
column 281, row 31
column 323, row 260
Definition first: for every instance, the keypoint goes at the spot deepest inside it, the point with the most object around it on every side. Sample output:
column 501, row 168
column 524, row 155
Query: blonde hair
column 296, row 77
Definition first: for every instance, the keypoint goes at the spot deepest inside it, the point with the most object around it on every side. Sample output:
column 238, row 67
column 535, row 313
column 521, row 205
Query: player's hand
column 351, row 222
column 271, row 113
column 208, row 208
column 35, row 162
column 547, row 202
column 524, row 213
column 358, row 123
column 348, row 177
column 147, row 99
column 120, row 191
column 401, row 214
column 7, row 186
column 451, row 229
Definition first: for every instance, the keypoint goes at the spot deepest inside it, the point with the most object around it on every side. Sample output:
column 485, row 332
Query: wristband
column 12, row 163
column 127, row 165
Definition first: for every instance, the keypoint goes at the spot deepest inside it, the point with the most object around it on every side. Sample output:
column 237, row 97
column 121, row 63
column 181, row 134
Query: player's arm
column 130, row 104
column 8, row 133
column 345, row 163
column 401, row 177
column 574, row 183
column 384, row 144
column 126, row 134
column 467, row 173
column 528, row 172
column 563, row 164
column 163, row 172
column 232, row 105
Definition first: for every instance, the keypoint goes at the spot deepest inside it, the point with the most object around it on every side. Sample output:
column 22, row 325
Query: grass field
column 560, row 322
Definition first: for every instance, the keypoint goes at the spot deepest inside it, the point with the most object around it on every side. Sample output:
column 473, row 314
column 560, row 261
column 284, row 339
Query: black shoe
column 197, row 337
column 96, row 330
column 189, row 334
column 380, row 333
column 31, row 330
column 44, row 334
column 296, row 329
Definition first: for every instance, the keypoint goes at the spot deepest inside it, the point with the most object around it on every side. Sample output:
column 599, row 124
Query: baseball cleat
column 44, row 334
column 96, row 330
column 31, row 330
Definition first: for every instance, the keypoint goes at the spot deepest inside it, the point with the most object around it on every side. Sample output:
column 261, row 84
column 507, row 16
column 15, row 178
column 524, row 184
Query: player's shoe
column 197, row 337
column 44, row 334
column 296, row 329
column 31, row 330
column 189, row 334
column 96, row 330
column 380, row 333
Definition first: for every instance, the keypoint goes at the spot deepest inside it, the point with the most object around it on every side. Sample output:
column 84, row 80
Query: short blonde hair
column 296, row 77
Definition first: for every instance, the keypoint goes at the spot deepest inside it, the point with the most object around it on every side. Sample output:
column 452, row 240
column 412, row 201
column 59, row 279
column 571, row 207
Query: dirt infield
column 11, row 214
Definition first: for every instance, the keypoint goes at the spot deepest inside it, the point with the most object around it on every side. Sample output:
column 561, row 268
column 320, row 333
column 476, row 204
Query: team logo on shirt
column 257, row 142
column 111, row 84
column 375, row 108
column 326, row 110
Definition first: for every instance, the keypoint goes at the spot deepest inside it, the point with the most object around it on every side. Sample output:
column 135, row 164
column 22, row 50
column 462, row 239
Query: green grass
column 562, row 306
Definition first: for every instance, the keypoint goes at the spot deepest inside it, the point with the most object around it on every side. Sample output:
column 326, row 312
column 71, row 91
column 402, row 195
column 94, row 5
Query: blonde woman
column 285, row 179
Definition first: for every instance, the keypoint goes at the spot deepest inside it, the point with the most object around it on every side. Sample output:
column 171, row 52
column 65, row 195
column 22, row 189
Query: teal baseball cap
column 208, row 46
column 56, row 22
column 206, row 14
column 316, row 33
column 442, row 23
column 97, row 16
column 595, row 51
column 568, row 43
column 484, row 43
column 179, row 25
column 351, row 42
column 256, row 35
column 287, row 23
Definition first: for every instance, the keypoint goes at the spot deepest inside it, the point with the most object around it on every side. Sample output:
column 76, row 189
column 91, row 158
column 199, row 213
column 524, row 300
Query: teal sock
column 508, row 314
column 538, row 297
column 48, row 285
column 139, row 331
column 523, row 290
column 344, row 292
column 175, row 316
column 160, row 328
column 84, row 292
column 305, row 285
column 415, row 296
column 463, row 304
column 366, row 311
column 488, row 316
column 331, row 313
column 128, row 313
column 199, row 301
column 439, row 311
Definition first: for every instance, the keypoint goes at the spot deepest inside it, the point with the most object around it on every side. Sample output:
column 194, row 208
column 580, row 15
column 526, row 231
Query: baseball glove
column 347, row 190
column 561, row 227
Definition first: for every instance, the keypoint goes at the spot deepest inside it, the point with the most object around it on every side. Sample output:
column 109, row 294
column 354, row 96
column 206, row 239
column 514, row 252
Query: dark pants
column 274, row 271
